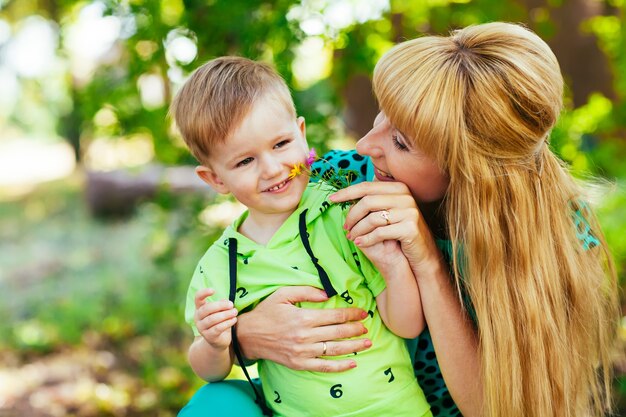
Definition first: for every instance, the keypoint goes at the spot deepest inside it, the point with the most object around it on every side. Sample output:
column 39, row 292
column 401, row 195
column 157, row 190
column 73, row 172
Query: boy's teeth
column 277, row 187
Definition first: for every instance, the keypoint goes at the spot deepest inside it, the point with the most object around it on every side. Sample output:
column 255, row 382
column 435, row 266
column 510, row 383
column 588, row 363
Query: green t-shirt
column 384, row 379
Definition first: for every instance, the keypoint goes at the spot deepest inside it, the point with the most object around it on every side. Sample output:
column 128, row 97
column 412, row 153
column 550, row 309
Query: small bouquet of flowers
column 325, row 173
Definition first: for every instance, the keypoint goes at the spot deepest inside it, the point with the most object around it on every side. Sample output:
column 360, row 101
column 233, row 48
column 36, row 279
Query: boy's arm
column 210, row 355
column 399, row 303
column 209, row 363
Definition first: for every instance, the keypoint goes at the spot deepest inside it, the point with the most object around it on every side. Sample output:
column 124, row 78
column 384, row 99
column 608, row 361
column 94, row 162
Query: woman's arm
column 280, row 331
column 454, row 337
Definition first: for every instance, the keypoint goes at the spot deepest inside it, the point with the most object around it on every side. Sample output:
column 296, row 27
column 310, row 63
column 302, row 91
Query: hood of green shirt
column 315, row 199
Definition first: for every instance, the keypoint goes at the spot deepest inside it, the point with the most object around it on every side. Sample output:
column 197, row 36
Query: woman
column 523, row 318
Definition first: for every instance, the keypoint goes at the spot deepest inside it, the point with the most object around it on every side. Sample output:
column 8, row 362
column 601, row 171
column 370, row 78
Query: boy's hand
column 214, row 319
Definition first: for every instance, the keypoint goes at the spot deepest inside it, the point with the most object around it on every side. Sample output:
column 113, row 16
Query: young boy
column 239, row 121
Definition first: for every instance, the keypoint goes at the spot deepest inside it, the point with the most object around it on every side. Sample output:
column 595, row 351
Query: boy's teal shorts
column 226, row 398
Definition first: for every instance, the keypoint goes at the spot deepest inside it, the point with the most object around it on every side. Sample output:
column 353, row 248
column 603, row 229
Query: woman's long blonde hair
column 482, row 102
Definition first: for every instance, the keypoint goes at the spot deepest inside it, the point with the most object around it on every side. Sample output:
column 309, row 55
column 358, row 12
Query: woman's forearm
column 209, row 363
column 454, row 337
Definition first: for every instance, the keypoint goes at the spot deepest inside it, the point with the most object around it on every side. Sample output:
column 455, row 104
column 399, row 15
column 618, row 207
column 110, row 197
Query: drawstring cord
column 232, row 268
column 304, row 236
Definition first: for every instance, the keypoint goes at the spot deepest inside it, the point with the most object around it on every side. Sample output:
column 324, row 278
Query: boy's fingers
column 214, row 331
column 214, row 307
column 202, row 294
column 215, row 318
column 225, row 325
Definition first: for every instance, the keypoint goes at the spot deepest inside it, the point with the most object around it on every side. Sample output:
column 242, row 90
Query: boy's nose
column 271, row 167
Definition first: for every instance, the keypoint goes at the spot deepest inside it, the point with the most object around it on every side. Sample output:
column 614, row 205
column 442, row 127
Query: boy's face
column 254, row 163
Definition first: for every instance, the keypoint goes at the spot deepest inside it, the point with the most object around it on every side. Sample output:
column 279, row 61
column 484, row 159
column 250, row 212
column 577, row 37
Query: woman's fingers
column 381, row 219
column 292, row 336
column 315, row 356
column 295, row 294
column 347, row 347
column 360, row 190
column 327, row 365
column 336, row 332
column 398, row 231
column 314, row 318
column 375, row 204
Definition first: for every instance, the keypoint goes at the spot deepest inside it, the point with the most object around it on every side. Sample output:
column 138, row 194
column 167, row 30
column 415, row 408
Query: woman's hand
column 386, row 211
column 296, row 337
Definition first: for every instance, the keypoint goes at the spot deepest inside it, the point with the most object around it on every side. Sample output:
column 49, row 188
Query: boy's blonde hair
column 213, row 102
column 482, row 103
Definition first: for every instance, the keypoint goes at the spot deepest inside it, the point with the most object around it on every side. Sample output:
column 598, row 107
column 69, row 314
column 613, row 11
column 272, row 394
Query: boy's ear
column 209, row 176
column 302, row 127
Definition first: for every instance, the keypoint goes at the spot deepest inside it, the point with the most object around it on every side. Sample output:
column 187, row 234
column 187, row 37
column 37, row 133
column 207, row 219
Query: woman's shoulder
column 581, row 213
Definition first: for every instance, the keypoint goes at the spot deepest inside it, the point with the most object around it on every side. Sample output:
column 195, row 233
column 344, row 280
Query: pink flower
column 312, row 157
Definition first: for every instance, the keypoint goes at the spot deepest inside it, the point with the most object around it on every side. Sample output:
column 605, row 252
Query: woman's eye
column 244, row 162
column 396, row 142
column 281, row 143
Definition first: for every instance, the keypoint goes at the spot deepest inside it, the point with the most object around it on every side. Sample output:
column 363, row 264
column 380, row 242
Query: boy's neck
column 262, row 227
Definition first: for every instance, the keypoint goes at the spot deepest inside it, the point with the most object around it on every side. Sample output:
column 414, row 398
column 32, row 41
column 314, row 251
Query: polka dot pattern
column 329, row 163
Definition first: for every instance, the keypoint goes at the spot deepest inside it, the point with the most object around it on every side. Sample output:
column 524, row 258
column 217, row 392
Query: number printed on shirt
column 346, row 296
column 388, row 372
column 335, row 391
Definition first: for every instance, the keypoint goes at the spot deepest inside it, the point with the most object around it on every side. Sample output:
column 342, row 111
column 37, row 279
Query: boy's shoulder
column 315, row 199
column 218, row 249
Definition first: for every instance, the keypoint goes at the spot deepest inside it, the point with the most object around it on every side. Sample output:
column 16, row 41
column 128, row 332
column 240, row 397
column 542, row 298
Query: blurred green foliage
column 69, row 280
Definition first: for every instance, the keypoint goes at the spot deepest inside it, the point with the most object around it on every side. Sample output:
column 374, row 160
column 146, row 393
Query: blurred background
column 101, row 218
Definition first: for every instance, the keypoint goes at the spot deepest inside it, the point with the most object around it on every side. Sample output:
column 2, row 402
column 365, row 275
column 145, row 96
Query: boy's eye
column 281, row 143
column 244, row 162
column 396, row 142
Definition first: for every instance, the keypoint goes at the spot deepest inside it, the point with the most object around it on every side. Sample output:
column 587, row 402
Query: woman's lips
column 382, row 175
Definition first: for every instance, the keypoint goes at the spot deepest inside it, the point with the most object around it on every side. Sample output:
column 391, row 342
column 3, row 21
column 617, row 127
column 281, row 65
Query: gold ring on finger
column 385, row 215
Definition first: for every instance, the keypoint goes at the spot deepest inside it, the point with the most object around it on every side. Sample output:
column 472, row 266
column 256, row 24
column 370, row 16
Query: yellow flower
column 296, row 170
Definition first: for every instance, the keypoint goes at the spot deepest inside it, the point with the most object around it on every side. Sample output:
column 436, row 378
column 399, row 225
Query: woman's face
column 396, row 158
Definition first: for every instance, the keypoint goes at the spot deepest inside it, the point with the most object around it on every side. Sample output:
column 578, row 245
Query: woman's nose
column 370, row 144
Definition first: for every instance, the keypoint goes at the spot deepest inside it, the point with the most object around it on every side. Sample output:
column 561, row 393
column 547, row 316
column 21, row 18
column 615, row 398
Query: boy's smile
column 255, row 161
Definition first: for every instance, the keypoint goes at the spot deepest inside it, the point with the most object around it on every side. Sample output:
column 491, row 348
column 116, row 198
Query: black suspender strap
column 304, row 236
column 232, row 268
